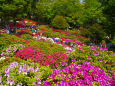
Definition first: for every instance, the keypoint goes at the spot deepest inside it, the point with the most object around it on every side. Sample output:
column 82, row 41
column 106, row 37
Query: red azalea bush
column 57, row 58
column 36, row 55
column 28, row 52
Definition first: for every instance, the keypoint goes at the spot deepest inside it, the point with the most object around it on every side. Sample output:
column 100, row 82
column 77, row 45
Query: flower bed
column 97, row 56
column 79, row 75
column 20, row 74
column 11, row 50
column 32, row 64
column 43, row 59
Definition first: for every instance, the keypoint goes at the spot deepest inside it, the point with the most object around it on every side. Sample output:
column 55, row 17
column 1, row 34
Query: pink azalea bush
column 11, row 50
column 37, row 56
column 79, row 75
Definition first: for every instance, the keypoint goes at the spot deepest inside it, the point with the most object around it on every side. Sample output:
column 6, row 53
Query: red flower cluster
column 42, row 29
column 36, row 55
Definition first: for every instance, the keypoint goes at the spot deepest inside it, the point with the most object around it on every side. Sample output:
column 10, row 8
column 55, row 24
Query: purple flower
column 19, row 71
column 96, row 53
column 106, row 49
column 39, row 82
column 2, row 54
column 88, row 57
column 79, row 59
column 96, row 56
column 71, row 55
column 19, row 84
column 99, row 48
column 37, row 78
column 82, row 55
column 104, row 61
column 63, row 63
column 73, row 60
column 14, row 64
column 24, row 72
column 7, row 70
column 100, row 60
column 0, row 79
column 93, row 48
column 89, row 51
column 37, row 69
column 10, row 81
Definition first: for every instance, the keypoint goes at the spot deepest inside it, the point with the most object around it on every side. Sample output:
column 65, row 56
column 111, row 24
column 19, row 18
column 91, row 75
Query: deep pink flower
column 88, row 57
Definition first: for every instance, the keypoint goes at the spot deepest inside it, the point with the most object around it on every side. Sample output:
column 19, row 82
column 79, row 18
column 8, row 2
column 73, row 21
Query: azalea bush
column 51, row 32
column 26, row 37
column 6, row 40
column 79, row 75
column 43, row 59
column 11, row 50
column 46, row 47
column 23, row 31
column 23, row 74
column 97, row 56
column 20, row 74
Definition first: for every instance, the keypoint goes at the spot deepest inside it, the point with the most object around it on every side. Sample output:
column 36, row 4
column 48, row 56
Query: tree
column 59, row 22
column 96, row 32
column 13, row 10
column 44, row 11
column 108, row 11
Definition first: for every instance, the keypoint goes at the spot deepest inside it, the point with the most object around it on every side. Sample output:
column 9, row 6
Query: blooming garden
column 38, row 60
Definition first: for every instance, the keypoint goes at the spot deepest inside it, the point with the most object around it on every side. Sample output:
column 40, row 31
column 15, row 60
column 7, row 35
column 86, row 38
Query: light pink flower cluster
column 20, row 69
column 11, row 50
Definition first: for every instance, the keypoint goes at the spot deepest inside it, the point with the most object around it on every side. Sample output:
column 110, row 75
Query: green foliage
column 46, row 47
column 46, row 71
column 26, row 37
column 84, row 32
column 96, row 32
column 6, row 40
column 13, row 10
column 59, row 22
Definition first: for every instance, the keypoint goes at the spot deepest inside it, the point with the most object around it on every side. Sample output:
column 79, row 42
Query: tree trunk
column 14, row 26
column 7, row 25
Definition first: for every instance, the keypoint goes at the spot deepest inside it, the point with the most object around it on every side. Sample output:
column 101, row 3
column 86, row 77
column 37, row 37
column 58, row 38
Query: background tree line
column 94, row 18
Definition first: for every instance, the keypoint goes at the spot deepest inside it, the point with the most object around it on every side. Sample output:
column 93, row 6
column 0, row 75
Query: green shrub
column 96, row 32
column 46, row 47
column 84, row 32
column 59, row 22
column 26, row 37
column 6, row 40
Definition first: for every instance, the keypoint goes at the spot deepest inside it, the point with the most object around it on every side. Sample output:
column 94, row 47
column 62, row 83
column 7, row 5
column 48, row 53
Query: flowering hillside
column 55, row 58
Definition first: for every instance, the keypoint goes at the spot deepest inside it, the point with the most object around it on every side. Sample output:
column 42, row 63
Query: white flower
column 2, row 58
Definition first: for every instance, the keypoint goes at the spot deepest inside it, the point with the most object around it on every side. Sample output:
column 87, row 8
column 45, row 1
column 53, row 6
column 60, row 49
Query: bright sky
column 81, row 0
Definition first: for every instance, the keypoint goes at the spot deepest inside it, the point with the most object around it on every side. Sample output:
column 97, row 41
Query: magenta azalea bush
column 79, row 75
column 97, row 56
